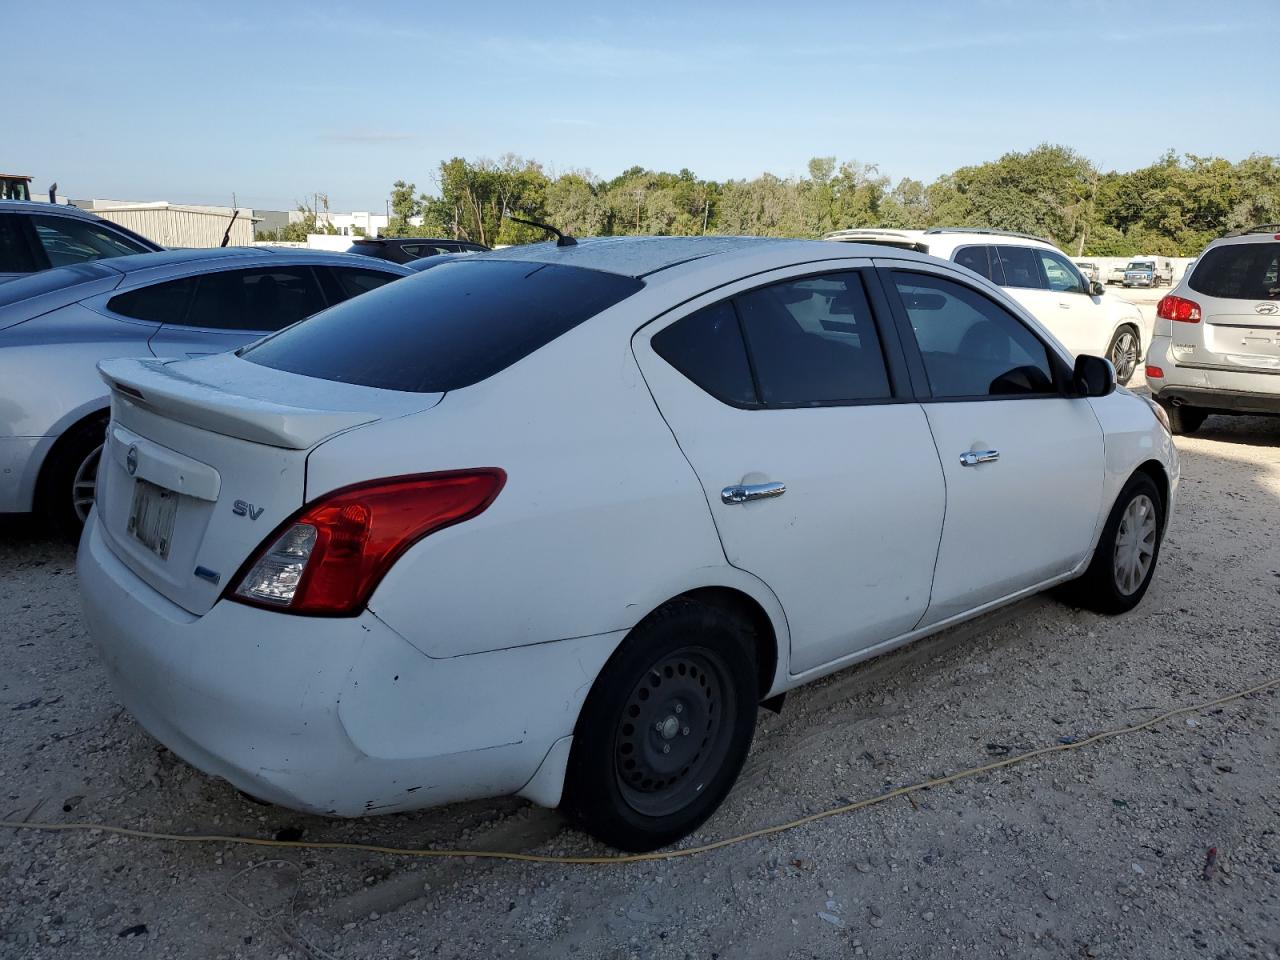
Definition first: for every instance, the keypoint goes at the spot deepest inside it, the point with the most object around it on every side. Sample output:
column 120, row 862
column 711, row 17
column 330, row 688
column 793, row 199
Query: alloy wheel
column 1124, row 355
column 1135, row 544
column 84, row 484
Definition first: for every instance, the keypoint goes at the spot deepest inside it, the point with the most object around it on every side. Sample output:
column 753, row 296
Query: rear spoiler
column 154, row 385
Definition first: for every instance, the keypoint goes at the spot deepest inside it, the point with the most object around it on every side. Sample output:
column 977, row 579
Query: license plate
column 152, row 516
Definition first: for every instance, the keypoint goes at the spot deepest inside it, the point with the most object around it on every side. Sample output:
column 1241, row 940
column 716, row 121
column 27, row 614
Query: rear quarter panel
column 601, row 519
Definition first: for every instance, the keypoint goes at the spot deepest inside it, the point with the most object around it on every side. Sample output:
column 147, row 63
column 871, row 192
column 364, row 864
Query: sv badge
column 242, row 508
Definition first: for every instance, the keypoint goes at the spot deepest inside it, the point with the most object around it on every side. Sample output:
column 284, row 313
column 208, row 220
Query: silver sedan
column 56, row 325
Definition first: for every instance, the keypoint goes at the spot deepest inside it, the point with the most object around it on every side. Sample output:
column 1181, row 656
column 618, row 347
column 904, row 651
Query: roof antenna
column 562, row 239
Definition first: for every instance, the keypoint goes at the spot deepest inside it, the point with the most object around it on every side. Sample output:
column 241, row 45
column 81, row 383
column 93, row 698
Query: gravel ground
column 1098, row 852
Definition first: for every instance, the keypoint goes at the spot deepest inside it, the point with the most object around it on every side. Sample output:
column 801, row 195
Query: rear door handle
column 975, row 457
column 743, row 492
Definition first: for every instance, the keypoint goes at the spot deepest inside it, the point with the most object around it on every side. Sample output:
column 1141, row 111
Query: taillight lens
column 328, row 559
column 1154, row 373
column 1178, row 308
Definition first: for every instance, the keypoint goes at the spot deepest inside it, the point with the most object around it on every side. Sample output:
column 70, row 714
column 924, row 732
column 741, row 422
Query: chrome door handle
column 975, row 457
column 742, row 492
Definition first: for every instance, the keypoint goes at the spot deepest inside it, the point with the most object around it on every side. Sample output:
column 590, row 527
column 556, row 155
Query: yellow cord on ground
column 658, row 855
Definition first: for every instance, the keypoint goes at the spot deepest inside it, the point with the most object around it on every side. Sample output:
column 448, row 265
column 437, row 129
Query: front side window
column 67, row 240
column 971, row 346
column 1019, row 266
column 352, row 281
column 264, row 299
column 446, row 328
column 813, row 341
column 1061, row 274
column 1239, row 271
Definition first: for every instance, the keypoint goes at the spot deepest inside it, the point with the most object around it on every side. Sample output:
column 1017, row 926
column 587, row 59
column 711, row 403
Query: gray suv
column 1216, row 343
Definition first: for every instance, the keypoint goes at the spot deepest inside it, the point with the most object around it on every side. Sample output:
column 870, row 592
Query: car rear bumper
column 1227, row 401
column 330, row 716
column 1229, row 389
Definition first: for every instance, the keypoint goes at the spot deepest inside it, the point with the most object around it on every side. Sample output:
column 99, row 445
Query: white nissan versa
column 554, row 520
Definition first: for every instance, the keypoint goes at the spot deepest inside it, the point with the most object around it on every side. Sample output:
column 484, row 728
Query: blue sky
column 277, row 100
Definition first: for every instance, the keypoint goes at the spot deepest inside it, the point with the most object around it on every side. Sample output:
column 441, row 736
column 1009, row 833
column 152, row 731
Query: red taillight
column 328, row 559
column 1178, row 308
column 1154, row 372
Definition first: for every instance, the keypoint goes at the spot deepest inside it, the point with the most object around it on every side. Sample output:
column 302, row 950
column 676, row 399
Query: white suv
column 1216, row 344
column 1040, row 277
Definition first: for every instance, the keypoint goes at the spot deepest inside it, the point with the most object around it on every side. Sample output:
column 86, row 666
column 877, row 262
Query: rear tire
column 69, row 476
column 1124, row 562
column 1183, row 419
column 665, row 729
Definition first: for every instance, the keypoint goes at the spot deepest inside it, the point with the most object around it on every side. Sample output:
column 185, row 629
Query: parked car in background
column 1040, row 277
column 38, row 236
column 564, row 539
column 1216, row 347
column 426, row 263
column 1115, row 275
column 404, row 249
column 1148, row 272
column 55, row 327
column 1088, row 269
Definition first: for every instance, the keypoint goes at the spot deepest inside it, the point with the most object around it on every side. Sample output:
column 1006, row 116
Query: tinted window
column 15, row 254
column 67, row 240
column 813, row 341
column 979, row 260
column 160, row 303
column 1061, row 274
column 971, row 346
column 707, row 348
column 263, row 299
column 447, row 328
column 1019, row 266
column 1239, row 271
column 352, row 282
column 415, row 250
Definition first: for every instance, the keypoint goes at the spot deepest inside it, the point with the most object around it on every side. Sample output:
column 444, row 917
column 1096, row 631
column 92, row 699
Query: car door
column 1023, row 462
column 1084, row 325
column 795, row 412
column 228, row 308
column 18, row 255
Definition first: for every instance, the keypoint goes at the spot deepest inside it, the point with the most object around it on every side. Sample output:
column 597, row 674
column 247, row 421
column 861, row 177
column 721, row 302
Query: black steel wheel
column 666, row 727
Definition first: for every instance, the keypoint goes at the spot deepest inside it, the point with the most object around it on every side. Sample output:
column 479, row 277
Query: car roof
column 164, row 258
column 644, row 256
column 41, row 206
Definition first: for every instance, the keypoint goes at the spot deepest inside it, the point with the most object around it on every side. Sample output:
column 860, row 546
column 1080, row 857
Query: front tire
column 69, row 477
column 666, row 728
column 1123, row 353
column 1124, row 561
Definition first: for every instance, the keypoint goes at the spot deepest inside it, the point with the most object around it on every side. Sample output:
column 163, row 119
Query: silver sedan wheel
column 1135, row 544
column 1124, row 355
column 85, row 483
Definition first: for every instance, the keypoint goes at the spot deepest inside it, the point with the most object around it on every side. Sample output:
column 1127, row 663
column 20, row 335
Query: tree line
column 1172, row 207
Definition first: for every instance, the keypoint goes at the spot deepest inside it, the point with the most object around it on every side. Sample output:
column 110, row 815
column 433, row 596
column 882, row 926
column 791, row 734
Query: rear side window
column 1239, row 271
column 979, row 260
column 67, row 240
column 707, row 347
column 262, row 299
column 159, row 303
column 1019, row 266
column 447, row 328
column 15, row 253
column 813, row 341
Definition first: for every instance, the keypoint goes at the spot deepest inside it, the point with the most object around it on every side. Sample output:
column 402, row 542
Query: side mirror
column 1093, row 376
column 1096, row 289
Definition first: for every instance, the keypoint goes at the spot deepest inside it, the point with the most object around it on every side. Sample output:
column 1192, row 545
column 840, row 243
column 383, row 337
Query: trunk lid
column 205, row 458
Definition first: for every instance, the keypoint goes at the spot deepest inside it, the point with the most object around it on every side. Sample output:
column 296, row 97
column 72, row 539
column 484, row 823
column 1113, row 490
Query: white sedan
column 555, row 520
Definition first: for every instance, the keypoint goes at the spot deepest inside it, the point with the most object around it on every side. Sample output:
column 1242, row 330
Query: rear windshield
column 46, row 281
column 1236, row 271
column 444, row 329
